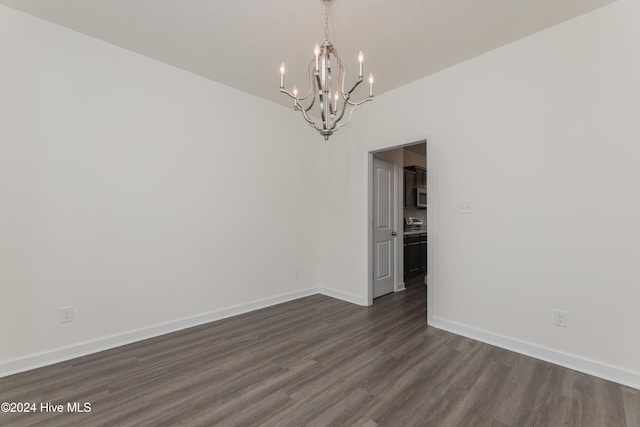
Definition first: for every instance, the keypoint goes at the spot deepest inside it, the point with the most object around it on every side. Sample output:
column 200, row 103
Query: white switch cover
column 560, row 318
column 66, row 314
column 464, row 207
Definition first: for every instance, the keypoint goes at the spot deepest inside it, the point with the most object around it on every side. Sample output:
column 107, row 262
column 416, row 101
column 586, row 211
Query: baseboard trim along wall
column 82, row 349
column 591, row 367
column 567, row 360
column 106, row 343
column 354, row 299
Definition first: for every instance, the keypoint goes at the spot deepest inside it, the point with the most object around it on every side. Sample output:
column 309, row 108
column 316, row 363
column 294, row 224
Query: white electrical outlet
column 66, row 314
column 560, row 318
column 464, row 207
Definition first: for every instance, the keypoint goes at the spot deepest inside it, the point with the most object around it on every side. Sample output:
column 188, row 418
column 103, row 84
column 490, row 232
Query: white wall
column 543, row 138
column 138, row 193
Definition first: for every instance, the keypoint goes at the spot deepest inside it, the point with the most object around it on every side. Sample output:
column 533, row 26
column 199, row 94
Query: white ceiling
column 241, row 43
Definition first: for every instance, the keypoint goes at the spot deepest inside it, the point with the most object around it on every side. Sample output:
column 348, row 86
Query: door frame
column 399, row 285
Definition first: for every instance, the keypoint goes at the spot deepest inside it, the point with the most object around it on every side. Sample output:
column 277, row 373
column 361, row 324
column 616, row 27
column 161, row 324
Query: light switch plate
column 66, row 314
column 560, row 318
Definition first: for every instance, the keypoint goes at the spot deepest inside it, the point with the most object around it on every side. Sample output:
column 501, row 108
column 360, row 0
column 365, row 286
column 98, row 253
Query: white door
column 383, row 228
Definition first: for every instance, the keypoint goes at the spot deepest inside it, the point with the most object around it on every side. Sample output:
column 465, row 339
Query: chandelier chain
column 326, row 20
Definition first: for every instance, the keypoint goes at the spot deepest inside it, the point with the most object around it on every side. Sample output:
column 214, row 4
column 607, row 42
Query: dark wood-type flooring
column 318, row 361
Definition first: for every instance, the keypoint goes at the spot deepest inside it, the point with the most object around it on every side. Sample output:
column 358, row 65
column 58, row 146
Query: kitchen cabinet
column 414, row 177
column 409, row 188
column 415, row 254
column 420, row 176
column 423, row 253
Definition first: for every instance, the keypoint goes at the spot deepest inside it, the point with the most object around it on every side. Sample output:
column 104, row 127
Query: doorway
column 406, row 202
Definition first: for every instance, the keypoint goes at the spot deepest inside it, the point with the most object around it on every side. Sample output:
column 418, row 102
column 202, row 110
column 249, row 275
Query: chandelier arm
column 311, row 92
column 351, row 113
column 306, row 96
column 355, row 85
column 313, row 101
column 308, row 119
column 286, row 92
column 292, row 96
column 355, row 104
column 298, row 104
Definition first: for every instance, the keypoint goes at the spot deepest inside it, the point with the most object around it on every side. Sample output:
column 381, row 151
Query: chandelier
column 327, row 87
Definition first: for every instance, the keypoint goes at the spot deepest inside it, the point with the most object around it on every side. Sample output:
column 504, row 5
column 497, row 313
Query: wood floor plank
column 317, row 361
column 631, row 402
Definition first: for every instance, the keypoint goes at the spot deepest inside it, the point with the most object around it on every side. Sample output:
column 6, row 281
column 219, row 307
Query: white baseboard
column 571, row 361
column 354, row 299
column 591, row 367
column 82, row 349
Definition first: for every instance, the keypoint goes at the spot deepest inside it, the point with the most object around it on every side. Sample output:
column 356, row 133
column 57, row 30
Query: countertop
column 415, row 231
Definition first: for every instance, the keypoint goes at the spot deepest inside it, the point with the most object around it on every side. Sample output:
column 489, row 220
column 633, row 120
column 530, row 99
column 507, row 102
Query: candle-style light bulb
column 370, row 85
column 316, row 51
column 335, row 105
column 360, row 60
column 295, row 92
column 295, row 96
column 282, row 76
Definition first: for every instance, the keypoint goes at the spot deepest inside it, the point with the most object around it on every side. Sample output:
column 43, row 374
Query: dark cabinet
column 409, row 189
column 415, row 254
column 414, row 177
column 420, row 176
column 423, row 253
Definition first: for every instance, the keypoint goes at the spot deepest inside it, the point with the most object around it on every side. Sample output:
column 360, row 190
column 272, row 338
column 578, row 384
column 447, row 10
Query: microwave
column 421, row 198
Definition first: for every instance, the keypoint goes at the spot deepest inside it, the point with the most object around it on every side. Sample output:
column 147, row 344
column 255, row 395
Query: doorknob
column 393, row 233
